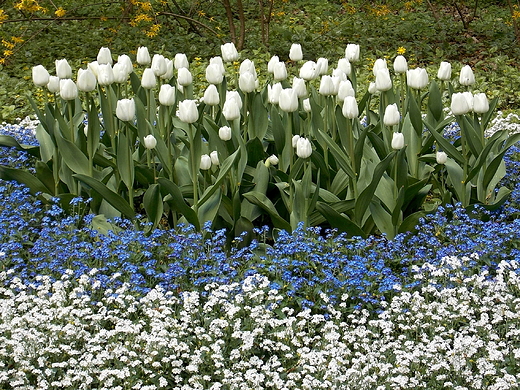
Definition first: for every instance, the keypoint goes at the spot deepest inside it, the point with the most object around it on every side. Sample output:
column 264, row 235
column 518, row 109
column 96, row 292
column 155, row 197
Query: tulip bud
column 248, row 66
column 400, row 65
column 326, row 86
column 280, row 71
column 158, row 65
column 383, row 80
column 272, row 62
column 231, row 110
column 345, row 89
column 350, row 108
column 288, row 100
column 68, row 89
column 143, row 56
column 188, row 112
column 184, row 77
column 303, row 148
column 167, row 95
column 417, row 78
column 214, row 158
column 322, row 65
column 441, row 157
column 63, row 69
column 480, row 103
column 105, row 74
column 294, row 141
column 459, row 104
column 271, row 160
column 466, row 76
column 344, row 65
column 94, row 68
column 54, row 84
column 296, row 53
column 392, row 116
column 218, row 61
column 205, row 162
column 308, row 71
column 214, row 74
column 229, row 52
column 380, row 63
column 169, row 69
column 273, row 93
column 149, row 142
column 469, row 99
column 234, row 95
column 352, row 52
column 224, row 133
column 246, row 82
column 104, row 56
column 148, row 79
column 40, row 76
column 126, row 63
column 372, row 90
column 397, row 141
column 307, row 105
column 86, row 80
column 180, row 61
column 125, row 110
column 119, row 72
column 211, row 96
column 444, row 72
column 299, row 86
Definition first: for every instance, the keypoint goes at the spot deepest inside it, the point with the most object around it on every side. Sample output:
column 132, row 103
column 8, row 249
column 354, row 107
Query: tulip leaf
column 258, row 119
column 473, row 139
column 435, row 108
column 23, row 177
column 278, row 130
column 224, row 169
column 415, row 114
column 492, row 169
column 178, row 203
column 125, row 163
column 153, row 204
column 447, row 146
column 72, row 155
column 339, row 221
column 46, row 176
column 455, row 173
column 399, row 203
column 340, row 156
column 490, row 114
column 265, row 204
column 94, row 130
column 107, row 194
column 208, row 211
column 382, row 219
column 500, row 198
column 366, row 196
column 411, row 222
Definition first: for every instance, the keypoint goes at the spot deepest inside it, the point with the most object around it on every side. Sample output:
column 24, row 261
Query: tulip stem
column 194, row 167
column 71, row 121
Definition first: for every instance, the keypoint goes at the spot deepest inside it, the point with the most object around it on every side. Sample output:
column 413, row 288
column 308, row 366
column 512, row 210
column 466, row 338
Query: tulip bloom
column 120, row 74
column 322, row 66
column 272, row 62
column 214, row 158
column 148, row 80
column 125, row 110
column 184, row 77
column 214, row 74
column 299, row 86
column 345, row 89
column 296, row 53
column 211, row 96
column 344, row 65
column 126, row 62
column 480, row 103
column 54, row 84
column 272, row 160
column 63, row 69
column 104, row 56
column 205, row 162
column 149, row 142
column 105, row 74
column 248, row 66
column 40, row 76
column 294, row 140
column 169, row 69
column 246, row 82
column 466, row 76
column 307, row 105
column 380, row 63
column 143, row 56
column 392, row 116
column 180, row 61
column 459, row 104
column 68, row 89
column 229, row 52
column 444, row 72
column 303, row 148
column 234, row 95
column 288, row 100
column 400, row 65
column 308, row 71
column 469, row 98
column 167, row 95
column 352, row 52
column 86, row 80
column 273, row 93
column 326, row 86
column 224, row 133
column 383, row 80
column 231, row 110
column 417, row 78
column 158, row 65
column 350, row 108
column 280, row 71
column 441, row 157
column 397, row 141
column 188, row 112
column 218, row 61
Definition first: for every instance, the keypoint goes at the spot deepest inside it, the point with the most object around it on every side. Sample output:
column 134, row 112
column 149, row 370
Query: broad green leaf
column 178, row 203
column 46, row 176
column 125, row 163
column 153, row 204
column 110, row 196
column 470, row 133
column 265, row 203
column 382, row 219
column 23, row 177
column 446, row 146
column 415, row 113
column 94, row 130
column 339, row 154
column 258, row 119
column 410, row 222
column 492, row 169
column 72, row 155
column 435, row 107
column 209, row 209
column 224, row 169
column 339, row 221
column 456, row 175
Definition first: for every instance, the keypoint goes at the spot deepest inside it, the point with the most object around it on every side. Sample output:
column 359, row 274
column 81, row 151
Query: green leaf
column 492, row 169
column 125, row 162
column 339, row 154
column 435, row 107
column 259, row 120
column 409, row 223
column 178, row 203
column 382, row 219
column 447, row 146
column 110, row 196
column 23, row 177
column 265, row 204
column 208, row 211
column 153, row 204
column 339, row 221
column 224, row 169
column 72, row 155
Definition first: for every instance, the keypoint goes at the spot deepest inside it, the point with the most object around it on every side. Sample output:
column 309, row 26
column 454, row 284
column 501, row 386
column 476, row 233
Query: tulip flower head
column 417, row 78
column 294, row 140
column 326, row 86
column 344, row 65
column 303, row 148
column 380, row 63
column 40, row 76
column 120, row 74
column 169, row 69
column 272, row 160
column 158, row 65
column 247, row 82
column 229, row 52
column 188, row 112
column 180, row 61
column 273, row 93
column 383, row 80
column 149, row 142
column 397, row 141
column 466, row 77
column 234, row 95
column 63, row 69
column 214, row 74
column 68, row 89
column 105, row 74
column 214, row 158
column 345, row 89
column 307, row 105
column 288, row 100
column 231, row 109
column 296, row 53
column 309, row 71
column 184, row 77
column 148, row 80
column 444, row 72
column 104, row 56
column 125, row 110
column 218, row 61
column 441, row 157
column 400, row 64
column 86, row 80
column 459, row 104
column 167, row 95
column 224, row 133
column 205, row 162
column 392, row 116
column 280, row 71
column 352, row 52
column 299, row 86
column 54, row 84
column 350, row 108
column 322, row 66
column 143, row 56
column 480, row 103
column 126, row 62
column 211, row 95
column 272, row 62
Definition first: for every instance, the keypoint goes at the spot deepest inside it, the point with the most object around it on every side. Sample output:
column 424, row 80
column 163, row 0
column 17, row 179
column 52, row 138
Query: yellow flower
column 145, row 6
column 3, row 16
column 401, row 50
column 60, row 12
column 17, row 39
column 7, row 44
column 8, row 53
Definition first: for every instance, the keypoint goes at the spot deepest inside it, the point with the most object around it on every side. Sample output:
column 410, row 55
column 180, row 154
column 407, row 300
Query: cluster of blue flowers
column 311, row 266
